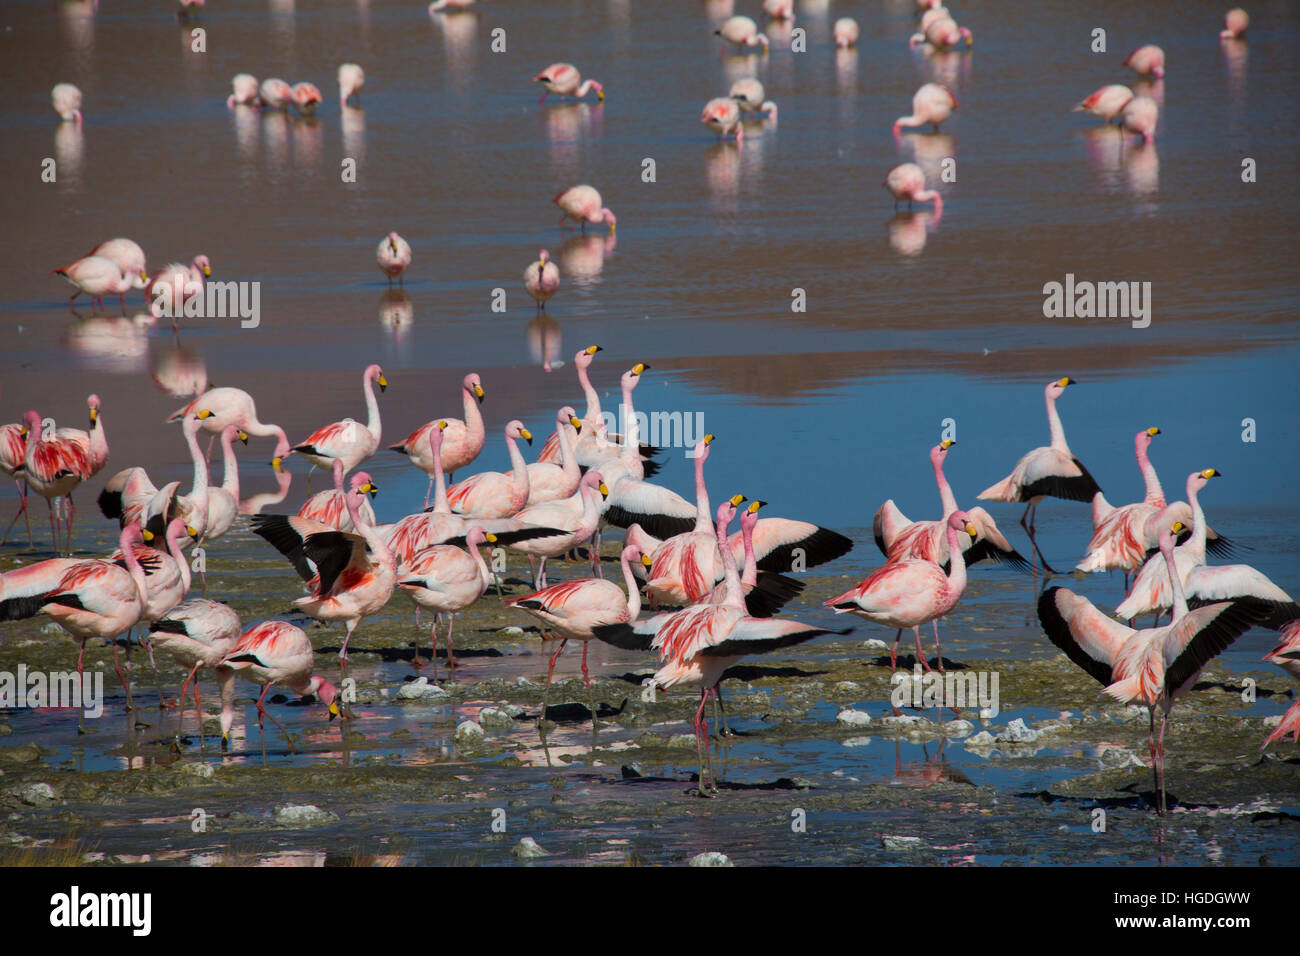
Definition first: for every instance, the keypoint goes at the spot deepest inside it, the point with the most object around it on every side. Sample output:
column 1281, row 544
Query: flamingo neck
column 956, row 564
column 518, row 468
column 1197, row 541
column 378, row 546
column 230, row 478
column 1055, row 426
column 372, row 408
column 703, row 517
column 137, row 573
column 98, row 440
column 590, row 511
column 734, row 593
column 633, row 590
column 750, row 577
column 631, row 450
column 568, row 460
column 473, row 420
column 1175, row 582
column 945, row 490
column 440, row 505
column 174, row 548
column 484, row 575
column 199, row 487
column 1155, row 495
column 593, row 400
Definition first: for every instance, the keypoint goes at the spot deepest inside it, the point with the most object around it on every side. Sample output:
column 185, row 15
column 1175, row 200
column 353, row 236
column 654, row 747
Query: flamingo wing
column 1089, row 638
column 1195, row 639
column 753, row 636
column 776, row 541
column 658, row 510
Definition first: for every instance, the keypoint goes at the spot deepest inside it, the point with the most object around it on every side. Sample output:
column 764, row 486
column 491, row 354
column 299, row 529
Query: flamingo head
column 361, row 483
column 633, row 375
column 749, row 517
column 376, row 374
column 1142, row 441
column 131, row 535
column 609, row 218
column 567, row 416
column 31, row 422
column 1169, row 537
column 191, row 426
column 476, row 536
column 93, row 404
column 595, row 480
column 231, row 432
column 1199, row 479
column 940, row 451
column 203, row 264
column 584, row 358
column 701, row 450
column 327, row 692
column 969, row 37
column 178, row 531
column 515, row 429
column 474, row 385
column 1055, row 389
column 960, row 521
column 727, row 511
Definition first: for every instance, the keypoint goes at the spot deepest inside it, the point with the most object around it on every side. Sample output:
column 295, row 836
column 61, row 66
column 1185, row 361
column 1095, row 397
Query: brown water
column 823, row 413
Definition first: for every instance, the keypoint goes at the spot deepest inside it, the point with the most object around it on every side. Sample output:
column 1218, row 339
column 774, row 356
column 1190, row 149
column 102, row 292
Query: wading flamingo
column 275, row 94
column 393, row 254
column 583, row 205
column 96, row 276
column 198, row 633
column 907, row 181
column 329, row 508
column 751, row 97
column 127, row 255
column 493, row 494
column 563, row 79
column 244, row 91
column 347, row 441
column 223, row 499
column 305, row 97
column 1147, row 60
column 66, row 99
column 462, row 440
column 743, row 33
column 219, row 407
column 351, row 79
column 722, row 115
column 1107, row 102
column 13, row 452
column 446, row 580
column 846, row 32
column 933, row 103
column 1235, row 22
column 53, row 468
column 1140, row 116
column 1122, row 536
column 542, row 279
column 559, row 515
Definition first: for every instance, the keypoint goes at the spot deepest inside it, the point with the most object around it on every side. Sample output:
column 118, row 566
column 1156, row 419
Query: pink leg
column 451, row 650
column 920, row 654
column 701, row 737
column 937, row 653
column 54, row 532
column 585, row 676
column 72, row 516
column 120, row 676
column 550, row 670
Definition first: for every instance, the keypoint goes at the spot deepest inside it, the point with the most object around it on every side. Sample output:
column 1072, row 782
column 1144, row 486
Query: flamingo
column 942, row 33
column 912, row 592
column 697, row 644
column 765, row 595
column 87, row 598
column 563, row 79
column 244, row 91
column 218, row 408
column 461, row 441
column 275, row 94
column 684, row 567
column 53, row 468
column 67, row 102
column 330, row 508
column 549, row 481
column 583, row 205
column 722, row 115
column 175, row 284
column 900, row 539
column 907, row 181
column 1122, row 536
column 572, row 608
column 743, row 32
column 95, row 276
column 351, row 79
column 779, row 9
column 1150, row 667
column 1235, row 22
column 347, row 441
column 393, row 255
column 223, row 499
column 127, row 255
column 1051, row 471
column 559, row 515
column 198, row 633
column 751, row 97
column 451, row 6
column 446, row 579
column 354, row 572
column 166, row 584
column 271, row 653
column 846, row 32
column 1106, row 102
column 1287, row 656
column 933, row 103
column 492, row 494
column 1140, row 116
column 1147, row 60
column 94, row 442
column 305, row 97
column 596, row 445
column 542, row 279
column 13, row 453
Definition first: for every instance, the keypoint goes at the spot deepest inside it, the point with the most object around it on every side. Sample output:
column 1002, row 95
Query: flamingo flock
column 678, row 558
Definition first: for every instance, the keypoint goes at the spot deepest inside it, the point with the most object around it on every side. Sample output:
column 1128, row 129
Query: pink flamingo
column 393, row 254
column 900, row 539
column 53, row 468
column 1147, row 60
column 271, row 653
column 166, row 502
column 933, row 103
column 66, row 99
column 461, row 441
column 942, row 33
column 1107, row 102
column 912, row 592
column 743, row 32
column 1139, row 116
column 1235, row 22
column 1150, row 667
column 697, row 644
column 906, row 181
column 563, row 79
column 275, row 94
column 493, row 494
column 244, row 91
column 198, row 633
column 846, row 32
column 1287, row 656
column 218, row 408
column 127, row 255
column 551, row 481
column 97, row 277
column 354, row 572
column 1122, row 536
column 446, row 580
column 305, row 97
column 13, row 454
column 347, row 441
column 779, row 9
column 1051, row 471
column 559, row 515
column 751, row 97
column 765, row 595
column 583, row 205
column 596, row 445
column 542, row 279
column 722, row 115
column 329, row 507
column 684, row 567
column 223, row 499
column 351, row 79
column 571, row 609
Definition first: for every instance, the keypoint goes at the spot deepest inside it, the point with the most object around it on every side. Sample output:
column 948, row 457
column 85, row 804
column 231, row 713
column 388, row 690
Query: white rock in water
column 854, row 742
column 901, row 844
column 522, row 681
column 903, row 720
column 196, row 769
column 982, row 739
column 710, row 859
column 853, row 718
column 421, row 689
column 873, row 646
column 681, row 740
column 1272, row 721
column 306, row 815
column 495, row 717
column 511, row 631
column 527, row 849
column 958, row 728
column 468, row 731
column 1018, row 732
column 37, row 794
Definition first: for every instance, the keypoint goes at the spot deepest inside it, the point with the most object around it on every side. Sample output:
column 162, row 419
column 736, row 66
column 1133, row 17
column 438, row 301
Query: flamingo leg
column 722, row 712
column 22, row 510
column 937, row 653
column 549, row 671
column 586, row 677
column 180, row 720
column 81, row 660
column 263, row 712
column 451, row 650
column 198, row 708
column 72, row 516
column 1160, row 751
column 701, row 741
column 122, row 677
column 54, row 534
column 920, row 654
column 343, row 651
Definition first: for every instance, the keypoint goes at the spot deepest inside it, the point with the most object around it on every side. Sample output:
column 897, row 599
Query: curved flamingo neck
column 1196, row 544
column 750, row 577
column 1055, row 426
column 631, row 450
column 734, row 593
column 1155, row 495
column 127, row 547
column 484, row 575
column 1176, row 583
column 473, row 419
column 568, row 460
column 372, row 407
column 230, row 478
column 703, row 515
column 956, row 565
column 590, row 510
column 199, row 486
column 440, row 505
column 378, row 546
column 174, row 547
column 945, row 490
column 593, row 400
column 518, row 468
column 633, row 588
